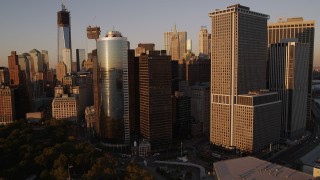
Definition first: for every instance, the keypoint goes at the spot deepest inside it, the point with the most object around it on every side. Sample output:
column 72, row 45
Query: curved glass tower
column 64, row 38
column 113, row 61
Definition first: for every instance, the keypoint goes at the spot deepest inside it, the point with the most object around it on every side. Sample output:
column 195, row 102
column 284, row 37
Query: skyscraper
column 238, row 67
column 36, row 61
column 66, row 55
column 45, row 58
column 14, row 69
column 7, row 105
column 304, row 32
column 288, row 75
column 175, row 43
column 155, row 100
column 80, row 56
column 181, row 115
column 114, row 89
column 64, row 34
column 204, row 42
column 61, row 71
column 4, row 76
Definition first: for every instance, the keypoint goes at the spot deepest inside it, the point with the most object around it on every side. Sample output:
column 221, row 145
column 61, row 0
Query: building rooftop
column 237, row 8
column 254, row 168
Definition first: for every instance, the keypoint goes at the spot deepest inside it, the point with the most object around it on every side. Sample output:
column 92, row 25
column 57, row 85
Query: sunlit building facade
column 238, row 67
column 7, row 105
column 112, row 53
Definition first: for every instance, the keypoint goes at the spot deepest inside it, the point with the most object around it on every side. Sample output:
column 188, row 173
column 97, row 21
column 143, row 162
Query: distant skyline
column 25, row 25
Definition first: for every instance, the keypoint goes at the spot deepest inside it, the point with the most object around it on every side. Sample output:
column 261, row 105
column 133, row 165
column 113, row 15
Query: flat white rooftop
column 253, row 168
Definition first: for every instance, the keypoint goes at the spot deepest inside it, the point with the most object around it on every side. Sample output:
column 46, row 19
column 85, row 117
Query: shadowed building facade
column 304, row 32
column 155, row 99
column 288, row 75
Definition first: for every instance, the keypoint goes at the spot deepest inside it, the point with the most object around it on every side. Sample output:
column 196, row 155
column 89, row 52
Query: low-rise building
column 65, row 108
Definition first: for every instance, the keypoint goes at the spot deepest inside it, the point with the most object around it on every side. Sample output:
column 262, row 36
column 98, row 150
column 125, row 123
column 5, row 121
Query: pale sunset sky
column 29, row 24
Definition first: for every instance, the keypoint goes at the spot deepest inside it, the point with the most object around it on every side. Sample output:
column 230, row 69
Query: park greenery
column 53, row 152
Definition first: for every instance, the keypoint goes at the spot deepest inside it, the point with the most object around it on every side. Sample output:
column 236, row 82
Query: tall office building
column 64, row 33
column 4, row 76
column 45, row 58
column 114, row 89
column 61, row 71
column 155, row 100
column 7, row 105
column 175, row 43
column 181, row 115
column 14, row 69
column 80, row 56
column 238, row 66
column 288, row 75
column 197, row 71
column 66, row 55
column 36, row 61
column 200, row 105
column 204, row 42
column 134, row 100
column 304, row 32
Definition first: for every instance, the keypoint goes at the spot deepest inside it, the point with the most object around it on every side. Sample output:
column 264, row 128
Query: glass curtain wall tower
column 113, row 60
column 64, row 36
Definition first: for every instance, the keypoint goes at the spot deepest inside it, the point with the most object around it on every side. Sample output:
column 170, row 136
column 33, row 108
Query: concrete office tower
column 114, row 89
column 288, row 75
column 204, row 42
column 7, row 105
column 256, row 121
column 66, row 55
column 4, row 76
column 14, row 69
column 175, row 44
column 144, row 48
column 304, row 32
column 155, row 100
column 64, row 33
column 65, row 108
column 238, row 65
column 61, row 71
column 80, row 56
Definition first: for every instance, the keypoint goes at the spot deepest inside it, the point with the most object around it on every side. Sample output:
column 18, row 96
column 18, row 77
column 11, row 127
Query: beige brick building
column 7, row 105
column 65, row 108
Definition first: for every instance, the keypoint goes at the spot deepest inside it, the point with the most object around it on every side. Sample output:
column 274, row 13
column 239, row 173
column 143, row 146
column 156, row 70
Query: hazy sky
column 29, row 24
